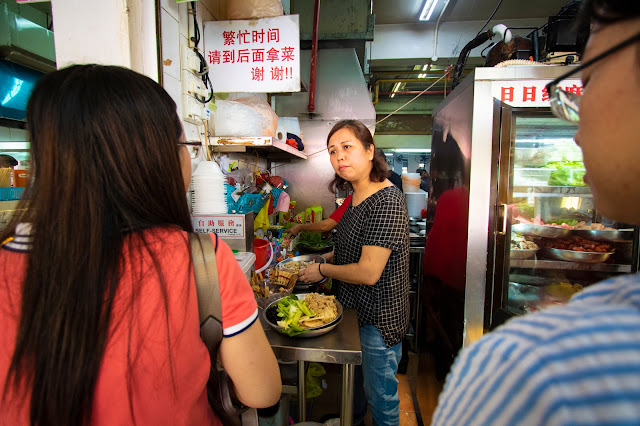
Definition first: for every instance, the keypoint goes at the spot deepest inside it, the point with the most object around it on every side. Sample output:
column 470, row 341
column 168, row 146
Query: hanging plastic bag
column 314, row 371
column 262, row 218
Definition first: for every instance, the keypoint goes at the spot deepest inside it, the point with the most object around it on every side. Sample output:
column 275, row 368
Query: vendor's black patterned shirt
column 380, row 220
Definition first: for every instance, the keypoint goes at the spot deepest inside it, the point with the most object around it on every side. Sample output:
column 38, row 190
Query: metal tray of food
column 316, row 258
column 576, row 256
column 540, row 230
column 605, row 235
column 522, row 253
column 270, row 312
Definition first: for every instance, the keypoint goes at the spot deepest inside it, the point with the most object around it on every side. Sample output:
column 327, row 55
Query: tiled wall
column 177, row 27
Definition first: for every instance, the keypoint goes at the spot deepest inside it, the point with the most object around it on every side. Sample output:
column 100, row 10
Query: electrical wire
column 204, row 68
column 490, row 17
column 415, row 97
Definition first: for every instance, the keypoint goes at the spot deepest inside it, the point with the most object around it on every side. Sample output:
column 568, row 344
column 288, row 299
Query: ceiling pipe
column 415, row 92
column 314, row 58
column 434, row 57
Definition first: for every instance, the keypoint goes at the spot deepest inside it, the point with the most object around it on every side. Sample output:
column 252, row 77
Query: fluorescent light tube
column 413, row 150
column 427, row 10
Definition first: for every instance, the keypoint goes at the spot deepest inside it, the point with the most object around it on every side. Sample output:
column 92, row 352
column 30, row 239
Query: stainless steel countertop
column 340, row 346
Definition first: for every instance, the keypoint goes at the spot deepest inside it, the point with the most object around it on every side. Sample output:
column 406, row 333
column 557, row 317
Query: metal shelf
column 269, row 147
column 569, row 266
column 551, row 191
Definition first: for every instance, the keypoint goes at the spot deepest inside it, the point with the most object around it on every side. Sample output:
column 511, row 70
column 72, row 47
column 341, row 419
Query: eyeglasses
column 566, row 104
column 192, row 147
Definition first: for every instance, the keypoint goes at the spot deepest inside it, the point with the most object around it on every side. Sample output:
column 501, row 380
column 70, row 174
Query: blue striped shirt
column 576, row 364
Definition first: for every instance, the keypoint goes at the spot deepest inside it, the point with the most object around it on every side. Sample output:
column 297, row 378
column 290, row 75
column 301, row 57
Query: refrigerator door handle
column 502, row 216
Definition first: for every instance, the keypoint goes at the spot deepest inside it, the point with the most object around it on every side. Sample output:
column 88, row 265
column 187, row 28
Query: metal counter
column 339, row 346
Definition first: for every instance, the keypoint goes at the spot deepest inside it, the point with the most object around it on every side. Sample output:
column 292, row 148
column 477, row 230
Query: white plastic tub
column 246, row 261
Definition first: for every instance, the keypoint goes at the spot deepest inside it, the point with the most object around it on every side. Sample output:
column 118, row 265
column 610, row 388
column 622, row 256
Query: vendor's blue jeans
column 379, row 368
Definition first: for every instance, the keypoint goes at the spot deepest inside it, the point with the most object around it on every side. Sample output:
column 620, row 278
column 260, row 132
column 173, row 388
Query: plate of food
column 576, row 255
column 304, row 315
column 522, row 247
column 540, row 230
column 608, row 235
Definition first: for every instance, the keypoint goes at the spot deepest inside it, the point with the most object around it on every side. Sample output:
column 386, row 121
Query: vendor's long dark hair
column 380, row 169
column 105, row 165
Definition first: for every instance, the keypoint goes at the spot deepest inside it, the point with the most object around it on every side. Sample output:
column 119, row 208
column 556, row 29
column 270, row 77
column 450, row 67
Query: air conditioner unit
column 25, row 42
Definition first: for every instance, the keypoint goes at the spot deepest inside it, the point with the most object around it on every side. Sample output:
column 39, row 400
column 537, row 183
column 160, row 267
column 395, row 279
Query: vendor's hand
column 310, row 274
column 295, row 229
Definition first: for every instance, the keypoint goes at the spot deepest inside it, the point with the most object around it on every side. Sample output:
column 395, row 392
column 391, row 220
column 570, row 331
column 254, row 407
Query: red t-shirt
column 337, row 215
column 158, row 398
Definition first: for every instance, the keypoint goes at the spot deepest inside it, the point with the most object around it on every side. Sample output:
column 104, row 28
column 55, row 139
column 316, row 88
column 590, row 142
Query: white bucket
column 416, row 201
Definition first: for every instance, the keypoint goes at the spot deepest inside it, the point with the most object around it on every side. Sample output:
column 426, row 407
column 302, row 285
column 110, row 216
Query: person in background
column 370, row 263
column 578, row 363
column 97, row 293
column 425, row 180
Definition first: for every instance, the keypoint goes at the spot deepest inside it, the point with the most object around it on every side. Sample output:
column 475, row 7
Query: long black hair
column 104, row 166
column 380, row 168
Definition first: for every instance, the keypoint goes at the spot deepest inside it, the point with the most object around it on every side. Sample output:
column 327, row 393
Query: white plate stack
column 208, row 189
column 416, row 201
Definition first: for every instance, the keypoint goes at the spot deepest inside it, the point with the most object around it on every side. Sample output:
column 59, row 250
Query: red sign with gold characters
column 529, row 93
column 259, row 55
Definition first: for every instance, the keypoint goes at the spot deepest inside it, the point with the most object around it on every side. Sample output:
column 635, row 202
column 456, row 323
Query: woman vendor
column 370, row 262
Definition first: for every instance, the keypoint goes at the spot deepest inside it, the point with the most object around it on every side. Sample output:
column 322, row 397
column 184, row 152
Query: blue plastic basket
column 246, row 203
column 10, row 193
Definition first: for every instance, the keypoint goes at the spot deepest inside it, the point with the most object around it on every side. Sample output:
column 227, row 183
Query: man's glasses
column 192, row 147
column 565, row 104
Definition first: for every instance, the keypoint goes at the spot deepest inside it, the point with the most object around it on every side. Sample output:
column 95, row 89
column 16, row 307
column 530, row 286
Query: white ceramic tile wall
column 174, row 89
column 171, row 7
column 184, row 20
column 177, row 27
column 170, row 45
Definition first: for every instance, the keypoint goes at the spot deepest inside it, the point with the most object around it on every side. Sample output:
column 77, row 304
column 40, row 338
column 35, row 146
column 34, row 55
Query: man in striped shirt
column 579, row 363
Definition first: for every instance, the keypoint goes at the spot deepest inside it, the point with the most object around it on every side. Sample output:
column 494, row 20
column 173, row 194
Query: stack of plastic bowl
column 416, row 201
column 411, row 182
column 208, row 189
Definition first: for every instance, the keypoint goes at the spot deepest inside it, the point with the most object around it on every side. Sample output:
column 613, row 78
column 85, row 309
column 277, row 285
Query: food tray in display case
column 522, row 253
column 540, row 230
column 576, row 256
column 605, row 235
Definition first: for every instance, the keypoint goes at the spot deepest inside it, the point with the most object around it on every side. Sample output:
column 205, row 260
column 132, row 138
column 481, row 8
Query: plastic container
column 529, row 177
column 260, row 248
column 246, row 261
column 416, row 201
column 532, row 157
column 411, row 182
column 20, row 176
column 7, row 194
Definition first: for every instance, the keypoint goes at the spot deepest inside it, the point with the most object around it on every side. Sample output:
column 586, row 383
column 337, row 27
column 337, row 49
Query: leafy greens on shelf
column 313, row 240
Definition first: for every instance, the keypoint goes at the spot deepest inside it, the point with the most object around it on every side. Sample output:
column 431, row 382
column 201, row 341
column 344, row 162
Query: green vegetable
column 290, row 309
column 313, row 240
